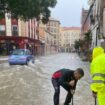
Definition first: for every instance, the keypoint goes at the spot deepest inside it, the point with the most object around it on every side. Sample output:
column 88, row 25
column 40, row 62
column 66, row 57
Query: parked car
column 20, row 56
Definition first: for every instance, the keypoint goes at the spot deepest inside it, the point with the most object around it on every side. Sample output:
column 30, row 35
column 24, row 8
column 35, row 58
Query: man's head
column 79, row 73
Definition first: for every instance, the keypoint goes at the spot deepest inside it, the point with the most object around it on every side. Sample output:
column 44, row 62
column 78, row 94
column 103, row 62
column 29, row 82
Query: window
column 28, row 52
column 51, row 30
column 51, row 23
column 55, row 24
column 48, row 24
column 55, row 30
column 14, row 30
column 18, row 52
column 55, row 37
column 2, row 30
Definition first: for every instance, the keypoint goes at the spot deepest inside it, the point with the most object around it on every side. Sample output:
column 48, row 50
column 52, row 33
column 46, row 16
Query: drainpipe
column 98, row 19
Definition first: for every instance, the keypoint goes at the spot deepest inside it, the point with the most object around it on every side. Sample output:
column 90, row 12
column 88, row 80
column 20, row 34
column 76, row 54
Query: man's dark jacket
column 64, row 76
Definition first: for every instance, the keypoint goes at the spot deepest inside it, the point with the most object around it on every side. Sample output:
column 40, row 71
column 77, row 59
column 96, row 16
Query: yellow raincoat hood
column 97, row 51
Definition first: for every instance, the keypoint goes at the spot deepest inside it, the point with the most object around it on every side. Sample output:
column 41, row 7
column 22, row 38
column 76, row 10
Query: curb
column 3, row 59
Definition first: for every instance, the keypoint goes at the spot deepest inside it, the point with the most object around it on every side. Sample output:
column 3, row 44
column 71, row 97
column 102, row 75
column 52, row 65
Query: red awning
column 17, row 39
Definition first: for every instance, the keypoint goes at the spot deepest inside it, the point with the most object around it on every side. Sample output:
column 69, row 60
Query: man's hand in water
column 94, row 94
column 72, row 91
column 72, row 83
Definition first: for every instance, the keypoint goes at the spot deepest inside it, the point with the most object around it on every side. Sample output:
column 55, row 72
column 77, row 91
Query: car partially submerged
column 20, row 56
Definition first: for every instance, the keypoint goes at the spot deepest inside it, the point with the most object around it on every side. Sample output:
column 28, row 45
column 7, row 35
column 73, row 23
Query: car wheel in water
column 10, row 64
column 26, row 63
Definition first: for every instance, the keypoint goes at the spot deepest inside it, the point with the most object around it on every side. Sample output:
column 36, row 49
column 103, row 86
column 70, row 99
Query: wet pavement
column 31, row 85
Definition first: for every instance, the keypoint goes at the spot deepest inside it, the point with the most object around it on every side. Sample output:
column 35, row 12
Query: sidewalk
column 3, row 59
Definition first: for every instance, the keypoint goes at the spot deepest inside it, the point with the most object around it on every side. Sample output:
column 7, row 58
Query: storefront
column 9, row 43
column 2, row 27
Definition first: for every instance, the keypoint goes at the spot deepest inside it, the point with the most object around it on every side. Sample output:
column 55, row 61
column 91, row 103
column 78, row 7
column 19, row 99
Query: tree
column 28, row 9
column 88, row 36
column 79, row 44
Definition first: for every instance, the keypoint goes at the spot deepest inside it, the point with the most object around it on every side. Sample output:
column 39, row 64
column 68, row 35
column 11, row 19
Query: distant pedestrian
column 98, row 75
column 67, row 79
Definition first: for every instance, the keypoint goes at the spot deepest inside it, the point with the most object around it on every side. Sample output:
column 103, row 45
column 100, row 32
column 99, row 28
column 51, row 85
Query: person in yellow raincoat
column 98, row 74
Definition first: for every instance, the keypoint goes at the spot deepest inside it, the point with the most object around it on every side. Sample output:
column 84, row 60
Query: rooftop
column 71, row 28
column 53, row 19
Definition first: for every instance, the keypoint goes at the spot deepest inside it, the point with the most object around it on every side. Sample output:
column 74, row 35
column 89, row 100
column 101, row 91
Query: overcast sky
column 69, row 11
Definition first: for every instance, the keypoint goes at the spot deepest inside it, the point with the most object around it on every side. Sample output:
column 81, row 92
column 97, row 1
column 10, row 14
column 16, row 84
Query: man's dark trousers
column 68, row 98
column 56, row 85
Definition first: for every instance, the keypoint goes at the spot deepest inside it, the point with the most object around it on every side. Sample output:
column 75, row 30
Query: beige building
column 53, row 27
column 47, row 38
column 49, row 43
column 68, row 37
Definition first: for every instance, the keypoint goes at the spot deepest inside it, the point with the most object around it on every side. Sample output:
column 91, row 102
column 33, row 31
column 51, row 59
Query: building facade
column 68, row 37
column 18, row 34
column 42, row 35
column 49, row 43
column 97, row 20
column 85, row 23
column 53, row 27
column 47, row 47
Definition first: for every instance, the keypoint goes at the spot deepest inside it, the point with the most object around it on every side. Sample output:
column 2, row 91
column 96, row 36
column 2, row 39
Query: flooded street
column 31, row 85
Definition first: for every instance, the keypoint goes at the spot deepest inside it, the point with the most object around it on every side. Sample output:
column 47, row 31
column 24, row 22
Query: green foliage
column 1, row 15
column 76, row 45
column 28, row 9
column 79, row 43
column 88, row 36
